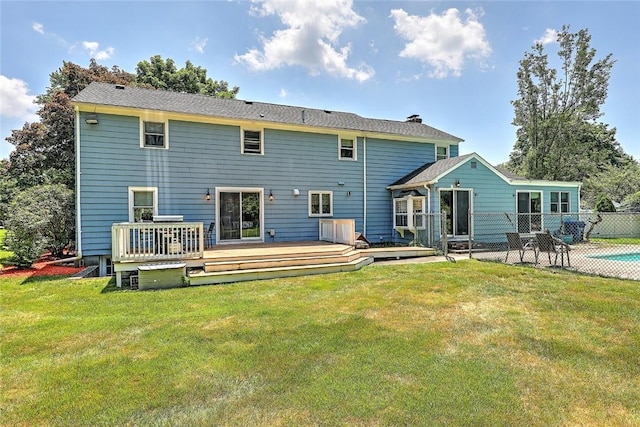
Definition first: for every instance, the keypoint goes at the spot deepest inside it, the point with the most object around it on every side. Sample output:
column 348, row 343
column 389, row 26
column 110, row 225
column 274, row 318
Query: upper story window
column 143, row 203
column 252, row 142
column 320, row 203
column 347, row 149
column 442, row 153
column 560, row 201
column 154, row 135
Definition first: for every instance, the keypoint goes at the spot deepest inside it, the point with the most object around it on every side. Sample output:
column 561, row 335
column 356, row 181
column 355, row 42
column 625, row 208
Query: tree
column 556, row 115
column 631, row 203
column 7, row 190
column 72, row 78
column 617, row 183
column 161, row 74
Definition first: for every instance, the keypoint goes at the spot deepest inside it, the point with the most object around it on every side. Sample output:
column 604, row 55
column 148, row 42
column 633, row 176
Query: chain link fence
column 606, row 244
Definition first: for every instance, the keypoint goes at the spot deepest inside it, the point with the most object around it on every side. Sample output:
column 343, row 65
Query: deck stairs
column 228, row 267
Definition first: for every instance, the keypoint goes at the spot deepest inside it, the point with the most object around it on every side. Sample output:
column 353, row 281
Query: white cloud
column 16, row 102
column 38, row 27
column 550, row 36
column 443, row 42
column 94, row 50
column 310, row 39
column 199, row 44
column 283, row 93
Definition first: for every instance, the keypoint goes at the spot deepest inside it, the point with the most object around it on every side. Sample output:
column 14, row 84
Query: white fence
column 141, row 241
column 338, row 231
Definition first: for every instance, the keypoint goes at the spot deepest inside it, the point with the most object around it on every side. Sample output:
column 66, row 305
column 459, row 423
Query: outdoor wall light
column 207, row 196
column 457, row 183
column 271, row 196
column 92, row 119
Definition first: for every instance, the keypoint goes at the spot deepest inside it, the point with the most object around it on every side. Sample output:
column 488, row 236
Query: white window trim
column 321, row 192
column 166, row 132
column 411, row 212
column 447, row 147
column 560, row 201
column 131, row 190
column 355, row 148
column 252, row 129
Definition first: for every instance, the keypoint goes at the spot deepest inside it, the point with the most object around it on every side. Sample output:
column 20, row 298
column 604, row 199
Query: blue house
column 236, row 171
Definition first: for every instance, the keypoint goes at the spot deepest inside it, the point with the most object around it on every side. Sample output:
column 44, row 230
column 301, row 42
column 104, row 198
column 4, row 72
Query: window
column 347, row 149
column 529, row 208
column 320, row 203
column 252, row 142
column 401, row 213
column 442, row 153
column 560, row 202
column 408, row 213
column 143, row 203
column 154, row 135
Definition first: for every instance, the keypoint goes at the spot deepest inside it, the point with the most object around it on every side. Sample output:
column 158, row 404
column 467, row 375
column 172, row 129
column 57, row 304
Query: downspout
column 428, row 215
column 579, row 201
column 78, row 214
column 364, row 185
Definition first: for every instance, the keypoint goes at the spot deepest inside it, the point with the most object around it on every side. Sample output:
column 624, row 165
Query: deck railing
column 338, row 231
column 142, row 241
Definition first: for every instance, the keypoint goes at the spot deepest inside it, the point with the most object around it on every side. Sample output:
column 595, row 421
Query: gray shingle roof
column 430, row 171
column 510, row 174
column 160, row 100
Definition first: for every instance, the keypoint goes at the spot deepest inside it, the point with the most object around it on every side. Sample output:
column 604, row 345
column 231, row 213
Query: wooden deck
column 271, row 250
column 254, row 261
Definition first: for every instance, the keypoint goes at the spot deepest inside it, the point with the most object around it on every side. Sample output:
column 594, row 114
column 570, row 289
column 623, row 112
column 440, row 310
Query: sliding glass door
column 529, row 211
column 240, row 214
column 456, row 203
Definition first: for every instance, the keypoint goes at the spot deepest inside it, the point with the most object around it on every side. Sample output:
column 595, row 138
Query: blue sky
column 454, row 63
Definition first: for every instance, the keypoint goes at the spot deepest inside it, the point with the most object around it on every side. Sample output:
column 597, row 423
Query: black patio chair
column 514, row 243
column 551, row 245
column 209, row 235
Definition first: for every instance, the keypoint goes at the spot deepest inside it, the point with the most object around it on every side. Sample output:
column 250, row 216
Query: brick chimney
column 415, row 118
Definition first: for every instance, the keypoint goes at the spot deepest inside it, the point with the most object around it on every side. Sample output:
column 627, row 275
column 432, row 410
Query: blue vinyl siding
column 206, row 156
column 388, row 161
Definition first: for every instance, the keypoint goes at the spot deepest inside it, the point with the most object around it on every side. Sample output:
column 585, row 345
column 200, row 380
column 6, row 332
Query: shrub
column 39, row 218
column 605, row 205
column 26, row 245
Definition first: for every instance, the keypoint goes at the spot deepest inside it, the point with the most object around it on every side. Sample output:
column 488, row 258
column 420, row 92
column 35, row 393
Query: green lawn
column 465, row 343
column 617, row 240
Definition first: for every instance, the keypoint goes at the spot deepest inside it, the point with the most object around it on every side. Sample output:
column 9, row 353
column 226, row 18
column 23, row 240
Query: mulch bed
column 41, row 268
